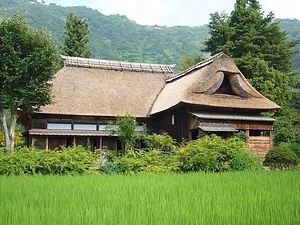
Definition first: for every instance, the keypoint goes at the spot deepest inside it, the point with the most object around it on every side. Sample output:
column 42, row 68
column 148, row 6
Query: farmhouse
column 210, row 97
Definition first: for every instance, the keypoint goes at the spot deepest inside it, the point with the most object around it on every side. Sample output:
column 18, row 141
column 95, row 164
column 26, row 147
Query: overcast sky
column 178, row 12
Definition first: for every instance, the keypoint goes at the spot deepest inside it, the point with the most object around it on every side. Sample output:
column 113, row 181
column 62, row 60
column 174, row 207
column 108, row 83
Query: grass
column 198, row 198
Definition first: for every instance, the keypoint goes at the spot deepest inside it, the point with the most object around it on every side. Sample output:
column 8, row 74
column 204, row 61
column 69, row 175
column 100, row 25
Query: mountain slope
column 116, row 37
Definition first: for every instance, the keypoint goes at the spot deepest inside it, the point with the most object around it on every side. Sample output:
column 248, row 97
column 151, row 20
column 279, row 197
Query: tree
column 125, row 128
column 259, row 48
column 220, row 33
column 75, row 37
column 28, row 62
column 188, row 61
column 247, row 36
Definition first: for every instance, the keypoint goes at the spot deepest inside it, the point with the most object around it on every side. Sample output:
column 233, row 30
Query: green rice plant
column 252, row 197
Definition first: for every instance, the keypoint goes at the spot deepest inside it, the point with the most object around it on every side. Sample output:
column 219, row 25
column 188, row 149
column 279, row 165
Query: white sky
column 178, row 12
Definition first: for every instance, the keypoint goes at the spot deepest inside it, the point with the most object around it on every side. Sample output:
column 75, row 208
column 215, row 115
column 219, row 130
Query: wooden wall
column 175, row 123
column 259, row 145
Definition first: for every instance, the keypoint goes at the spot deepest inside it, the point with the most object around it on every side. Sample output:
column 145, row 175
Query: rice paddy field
column 197, row 198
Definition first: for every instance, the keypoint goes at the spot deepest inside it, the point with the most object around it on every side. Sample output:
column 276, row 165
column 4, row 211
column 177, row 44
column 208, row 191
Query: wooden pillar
column 247, row 138
column 271, row 139
column 47, row 143
column 100, row 143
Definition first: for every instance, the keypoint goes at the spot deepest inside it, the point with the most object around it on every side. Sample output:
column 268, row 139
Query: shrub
column 75, row 160
column 140, row 161
column 110, row 168
column 295, row 147
column 214, row 154
column 162, row 142
column 281, row 157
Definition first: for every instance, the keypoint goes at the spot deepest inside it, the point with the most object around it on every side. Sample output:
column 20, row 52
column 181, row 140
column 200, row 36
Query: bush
column 110, row 168
column 295, row 147
column 209, row 154
column 162, row 142
column 214, row 154
column 140, row 161
column 75, row 160
column 281, row 157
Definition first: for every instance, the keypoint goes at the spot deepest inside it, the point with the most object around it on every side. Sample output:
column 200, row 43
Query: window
column 107, row 127
column 114, row 127
column 85, row 126
column 265, row 133
column 225, row 87
column 102, row 127
column 59, row 126
column 139, row 128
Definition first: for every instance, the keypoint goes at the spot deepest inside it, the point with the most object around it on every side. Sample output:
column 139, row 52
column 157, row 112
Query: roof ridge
column 196, row 66
column 117, row 65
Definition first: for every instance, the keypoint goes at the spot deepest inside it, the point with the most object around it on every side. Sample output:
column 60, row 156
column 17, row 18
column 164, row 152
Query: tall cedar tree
column 76, row 37
column 28, row 62
column 261, row 51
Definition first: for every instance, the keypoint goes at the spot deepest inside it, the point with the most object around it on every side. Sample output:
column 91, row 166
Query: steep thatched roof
column 109, row 88
column 106, row 88
column 215, row 82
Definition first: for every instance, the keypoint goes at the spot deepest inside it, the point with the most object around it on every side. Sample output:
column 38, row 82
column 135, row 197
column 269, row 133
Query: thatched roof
column 89, row 87
column 204, row 84
column 108, row 88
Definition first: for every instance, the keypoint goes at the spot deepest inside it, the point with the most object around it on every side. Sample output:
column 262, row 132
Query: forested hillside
column 292, row 27
column 116, row 37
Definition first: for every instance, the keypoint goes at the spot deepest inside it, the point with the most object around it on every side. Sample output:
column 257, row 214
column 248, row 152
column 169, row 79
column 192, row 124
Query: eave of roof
column 217, row 128
column 219, row 116
column 87, row 133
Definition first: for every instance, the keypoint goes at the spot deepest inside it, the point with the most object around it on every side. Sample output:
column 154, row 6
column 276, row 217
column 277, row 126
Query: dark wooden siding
column 179, row 130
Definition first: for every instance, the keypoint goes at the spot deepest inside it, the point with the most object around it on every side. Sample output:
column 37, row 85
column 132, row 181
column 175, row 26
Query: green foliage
column 242, row 136
column 287, row 126
column 272, row 83
column 75, row 160
column 263, row 53
column 115, row 37
column 141, row 161
column 161, row 142
column 281, row 157
column 249, row 37
column 189, row 61
column 75, row 37
column 125, row 127
column 214, row 154
column 110, row 168
column 28, row 62
column 220, row 32
column 210, row 154
column 295, row 147
column 292, row 27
